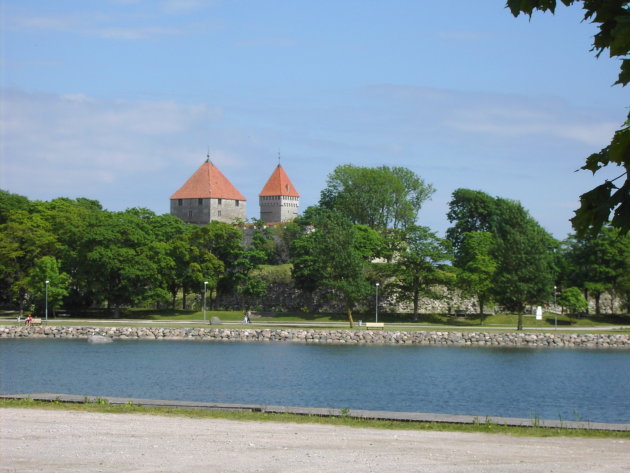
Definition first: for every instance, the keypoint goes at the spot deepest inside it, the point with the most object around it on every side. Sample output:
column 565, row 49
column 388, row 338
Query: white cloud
column 184, row 6
column 51, row 143
column 90, row 24
column 516, row 121
column 495, row 116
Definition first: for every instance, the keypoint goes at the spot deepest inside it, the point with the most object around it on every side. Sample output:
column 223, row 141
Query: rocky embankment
column 520, row 339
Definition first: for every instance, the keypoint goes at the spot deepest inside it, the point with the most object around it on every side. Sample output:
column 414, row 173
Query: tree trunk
column 350, row 317
column 597, row 308
column 174, row 294
column 416, row 301
column 184, row 299
column 519, row 325
column 481, row 310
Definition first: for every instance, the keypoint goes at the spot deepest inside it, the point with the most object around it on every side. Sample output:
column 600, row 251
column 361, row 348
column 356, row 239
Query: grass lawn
column 485, row 427
column 187, row 318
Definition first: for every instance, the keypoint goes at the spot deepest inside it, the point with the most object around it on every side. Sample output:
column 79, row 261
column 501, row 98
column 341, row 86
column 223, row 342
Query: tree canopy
column 519, row 255
column 380, row 197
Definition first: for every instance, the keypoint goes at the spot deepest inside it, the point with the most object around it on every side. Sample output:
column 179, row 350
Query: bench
column 35, row 322
column 369, row 325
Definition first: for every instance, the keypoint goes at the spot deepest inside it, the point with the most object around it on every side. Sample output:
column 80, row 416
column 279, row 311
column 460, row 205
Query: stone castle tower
column 208, row 195
column 279, row 200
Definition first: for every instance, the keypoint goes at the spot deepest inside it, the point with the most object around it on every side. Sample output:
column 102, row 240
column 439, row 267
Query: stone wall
column 286, row 298
column 202, row 211
column 520, row 339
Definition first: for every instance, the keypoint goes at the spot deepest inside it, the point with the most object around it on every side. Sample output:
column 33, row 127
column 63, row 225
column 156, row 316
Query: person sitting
column 29, row 319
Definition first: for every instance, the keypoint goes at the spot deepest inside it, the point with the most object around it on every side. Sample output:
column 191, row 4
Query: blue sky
column 120, row 100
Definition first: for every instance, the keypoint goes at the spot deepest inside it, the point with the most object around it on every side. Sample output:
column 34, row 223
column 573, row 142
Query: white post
column 205, row 286
column 47, row 281
column 377, row 284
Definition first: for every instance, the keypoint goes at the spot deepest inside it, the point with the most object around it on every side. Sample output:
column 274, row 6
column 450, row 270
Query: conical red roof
column 208, row 182
column 279, row 184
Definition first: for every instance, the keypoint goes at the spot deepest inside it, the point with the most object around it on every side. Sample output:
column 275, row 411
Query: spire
column 279, row 184
column 208, row 182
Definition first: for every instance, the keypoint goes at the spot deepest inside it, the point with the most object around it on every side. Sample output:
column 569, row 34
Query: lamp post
column 555, row 309
column 47, row 281
column 376, row 308
column 205, row 287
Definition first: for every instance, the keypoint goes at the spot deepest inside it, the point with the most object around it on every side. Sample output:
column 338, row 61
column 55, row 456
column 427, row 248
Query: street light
column 205, row 286
column 47, row 281
column 555, row 309
column 377, row 284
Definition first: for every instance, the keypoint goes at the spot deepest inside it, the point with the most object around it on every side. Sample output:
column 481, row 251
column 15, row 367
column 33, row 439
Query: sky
column 121, row 100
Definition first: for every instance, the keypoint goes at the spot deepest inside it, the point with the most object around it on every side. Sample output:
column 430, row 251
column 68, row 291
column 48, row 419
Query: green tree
column 598, row 262
column 251, row 288
column 263, row 240
column 335, row 255
column 477, row 266
column 573, row 300
column 69, row 220
column 525, row 255
column 469, row 211
column 381, row 197
column 284, row 235
column 24, row 238
column 524, row 252
column 225, row 242
column 45, row 269
column 612, row 18
column 623, row 282
column 420, row 265
column 11, row 202
column 122, row 263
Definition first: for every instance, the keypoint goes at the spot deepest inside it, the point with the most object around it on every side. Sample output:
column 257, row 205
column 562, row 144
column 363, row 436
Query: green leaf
column 596, row 161
column 619, row 149
column 620, row 42
column 624, row 75
column 594, row 209
column 621, row 217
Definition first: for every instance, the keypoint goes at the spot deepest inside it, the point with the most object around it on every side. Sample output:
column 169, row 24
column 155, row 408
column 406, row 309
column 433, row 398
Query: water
column 548, row 384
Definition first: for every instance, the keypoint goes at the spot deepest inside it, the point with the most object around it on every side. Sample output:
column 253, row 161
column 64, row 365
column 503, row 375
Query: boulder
column 99, row 339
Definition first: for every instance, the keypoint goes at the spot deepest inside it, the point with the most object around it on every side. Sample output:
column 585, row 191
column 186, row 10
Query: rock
column 215, row 321
column 99, row 339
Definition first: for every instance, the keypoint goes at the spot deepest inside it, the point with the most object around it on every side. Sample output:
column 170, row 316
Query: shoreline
column 395, row 416
column 619, row 341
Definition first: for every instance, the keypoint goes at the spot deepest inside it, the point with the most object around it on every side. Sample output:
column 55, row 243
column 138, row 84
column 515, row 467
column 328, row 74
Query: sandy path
column 65, row 441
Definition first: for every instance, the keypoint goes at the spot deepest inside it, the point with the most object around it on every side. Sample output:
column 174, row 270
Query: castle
column 208, row 195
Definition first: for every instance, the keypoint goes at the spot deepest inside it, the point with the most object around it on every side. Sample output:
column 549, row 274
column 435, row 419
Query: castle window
column 190, row 213
column 200, row 202
column 180, row 202
column 237, row 202
column 219, row 213
column 219, row 201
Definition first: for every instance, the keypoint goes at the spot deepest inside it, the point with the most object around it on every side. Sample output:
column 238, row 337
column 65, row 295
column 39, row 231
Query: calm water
column 549, row 384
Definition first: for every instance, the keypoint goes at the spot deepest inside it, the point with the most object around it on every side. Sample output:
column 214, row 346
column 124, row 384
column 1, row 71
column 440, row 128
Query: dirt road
column 65, row 441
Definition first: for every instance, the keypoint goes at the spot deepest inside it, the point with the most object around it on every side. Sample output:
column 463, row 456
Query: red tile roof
column 279, row 184
column 208, row 182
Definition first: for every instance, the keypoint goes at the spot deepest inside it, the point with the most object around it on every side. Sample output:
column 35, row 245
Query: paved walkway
column 306, row 324
column 325, row 412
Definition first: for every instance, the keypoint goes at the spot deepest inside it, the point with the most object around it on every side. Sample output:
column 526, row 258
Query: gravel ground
column 66, row 441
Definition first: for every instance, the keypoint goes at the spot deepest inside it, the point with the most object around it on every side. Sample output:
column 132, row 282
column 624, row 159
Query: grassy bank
column 482, row 426
column 442, row 322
